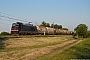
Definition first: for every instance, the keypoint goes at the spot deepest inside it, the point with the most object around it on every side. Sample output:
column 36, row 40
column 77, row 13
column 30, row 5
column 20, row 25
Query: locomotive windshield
column 15, row 26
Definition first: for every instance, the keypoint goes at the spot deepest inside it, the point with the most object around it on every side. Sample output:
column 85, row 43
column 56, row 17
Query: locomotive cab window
column 15, row 26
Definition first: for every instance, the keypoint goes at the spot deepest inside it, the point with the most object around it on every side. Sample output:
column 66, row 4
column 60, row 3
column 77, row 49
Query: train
column 29, row 29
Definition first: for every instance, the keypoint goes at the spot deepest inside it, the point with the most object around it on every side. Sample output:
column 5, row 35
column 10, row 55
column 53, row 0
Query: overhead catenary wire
column 7, row 20
column 11, row 17
column 4, row 16
column 4, row 23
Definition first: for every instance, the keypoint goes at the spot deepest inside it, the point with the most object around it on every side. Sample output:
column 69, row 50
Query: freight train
column 29, row 29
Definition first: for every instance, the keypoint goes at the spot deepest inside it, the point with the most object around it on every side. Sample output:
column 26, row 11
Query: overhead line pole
column 53, row 27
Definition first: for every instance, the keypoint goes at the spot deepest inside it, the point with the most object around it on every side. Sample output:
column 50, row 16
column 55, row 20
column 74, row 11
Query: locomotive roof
column 28, row 24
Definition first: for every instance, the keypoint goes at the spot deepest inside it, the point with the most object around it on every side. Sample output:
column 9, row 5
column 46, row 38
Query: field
column 42, row 47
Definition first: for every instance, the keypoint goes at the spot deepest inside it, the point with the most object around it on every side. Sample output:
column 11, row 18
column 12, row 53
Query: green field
column 62, row 47
column 79, row 51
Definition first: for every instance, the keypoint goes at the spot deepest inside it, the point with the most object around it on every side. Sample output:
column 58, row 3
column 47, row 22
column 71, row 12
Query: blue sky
column 68, row 13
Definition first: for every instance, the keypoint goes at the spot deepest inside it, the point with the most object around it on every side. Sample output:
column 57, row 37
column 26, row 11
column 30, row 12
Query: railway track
column 28, row 36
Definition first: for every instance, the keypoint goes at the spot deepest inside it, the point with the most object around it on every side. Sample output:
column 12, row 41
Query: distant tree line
column 81, row 30
column 5, row 33
column 52, row 25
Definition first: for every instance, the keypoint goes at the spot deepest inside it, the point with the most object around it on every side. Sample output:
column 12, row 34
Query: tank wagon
column 29, row 29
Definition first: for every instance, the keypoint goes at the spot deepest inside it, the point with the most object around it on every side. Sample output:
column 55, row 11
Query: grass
column 30, row 47
column 2, row 44
column 32, row 41
column 79, row 51
column 16, row 47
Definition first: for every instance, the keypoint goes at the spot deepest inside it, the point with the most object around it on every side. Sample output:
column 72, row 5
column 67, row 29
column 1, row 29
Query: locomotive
column 29, row 29
column 20, row 28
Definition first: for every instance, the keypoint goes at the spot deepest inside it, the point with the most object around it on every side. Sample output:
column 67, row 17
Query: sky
column 68, row 13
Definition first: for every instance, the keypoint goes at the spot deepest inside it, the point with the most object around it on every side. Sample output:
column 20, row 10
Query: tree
column 4, row 33
column 52, row 25
column 43, row 23
column 88, row 34
column 59, row 26
column 81, row 30
column 47, row 25
column 65, row 28
column 56, row 26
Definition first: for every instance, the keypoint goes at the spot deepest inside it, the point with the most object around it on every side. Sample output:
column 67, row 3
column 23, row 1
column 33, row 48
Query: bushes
column 88, row 34
column 4, row 33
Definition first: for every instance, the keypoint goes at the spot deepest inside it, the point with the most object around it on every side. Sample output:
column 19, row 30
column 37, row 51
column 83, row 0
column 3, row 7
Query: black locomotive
column 24, row 29
column 20, row 28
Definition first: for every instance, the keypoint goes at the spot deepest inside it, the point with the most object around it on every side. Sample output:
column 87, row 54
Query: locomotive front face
column 15, row 28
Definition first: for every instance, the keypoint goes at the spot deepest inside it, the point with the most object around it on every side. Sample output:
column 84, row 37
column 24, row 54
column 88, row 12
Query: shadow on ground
column 2, row 43
column 82, row 53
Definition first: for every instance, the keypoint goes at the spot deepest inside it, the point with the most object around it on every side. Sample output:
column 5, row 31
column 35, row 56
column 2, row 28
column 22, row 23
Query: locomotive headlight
column 13, row 25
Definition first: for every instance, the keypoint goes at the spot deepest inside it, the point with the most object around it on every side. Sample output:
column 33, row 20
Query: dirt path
column 46, row 50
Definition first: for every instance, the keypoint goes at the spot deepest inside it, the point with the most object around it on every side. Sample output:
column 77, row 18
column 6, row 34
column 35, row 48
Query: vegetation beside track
column 50, row 47
column 15, row 47
column 79, row 51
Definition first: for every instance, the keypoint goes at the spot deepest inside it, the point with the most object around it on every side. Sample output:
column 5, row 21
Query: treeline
column 5, row 33
column 81, row 31
column 52, row 25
